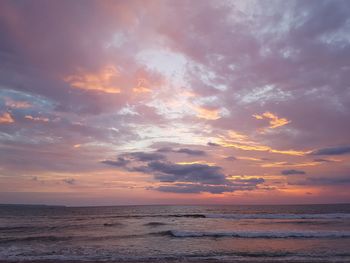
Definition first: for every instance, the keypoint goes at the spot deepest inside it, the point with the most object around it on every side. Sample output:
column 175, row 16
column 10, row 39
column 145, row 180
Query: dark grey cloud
column 70, row 181
column 182, row 150
column 213, row 144
column 323, row 181
column 330, row 180
column 191, row 152
column 231, row 158
column 243, row 181
column 171, row 172
column 195, row 188
column 182, row 178
column 128, row 158
column 332, row 151
column 292, row 171
column 166, row 171
column 236, row 185
column 120, row 162
column 320, row 160
column 146, row 156
column 165, row 149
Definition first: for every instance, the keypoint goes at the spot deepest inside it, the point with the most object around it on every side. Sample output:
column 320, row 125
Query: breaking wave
column 261, row 234
column 280, row 216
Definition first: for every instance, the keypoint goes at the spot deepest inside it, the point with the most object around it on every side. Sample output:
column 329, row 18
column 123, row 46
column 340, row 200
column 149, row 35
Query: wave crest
column 262, row 234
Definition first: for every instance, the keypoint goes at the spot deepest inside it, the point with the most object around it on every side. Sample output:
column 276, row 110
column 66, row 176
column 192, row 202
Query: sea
column 230, row 233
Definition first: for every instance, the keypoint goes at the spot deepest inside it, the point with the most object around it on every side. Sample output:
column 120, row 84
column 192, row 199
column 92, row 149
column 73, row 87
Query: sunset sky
column 174, row 102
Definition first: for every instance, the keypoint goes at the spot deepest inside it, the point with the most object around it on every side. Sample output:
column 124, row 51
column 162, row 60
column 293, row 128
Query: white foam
column 263, row 234
column 281, row 216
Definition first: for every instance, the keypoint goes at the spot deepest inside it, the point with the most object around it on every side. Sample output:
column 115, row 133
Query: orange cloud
column 208, row 114
column 246, row 158
column 197, row 162
column 284, row 164
column 238, row 137
column 274, row 120
column 243, row 142
column 103, row 80
column 6, row 118
column 262, row 148
column 43, row 119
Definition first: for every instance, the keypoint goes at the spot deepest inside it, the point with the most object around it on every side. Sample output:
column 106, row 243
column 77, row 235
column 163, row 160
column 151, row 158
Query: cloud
column 323, row 181
column 241, row 141
column 171, row 172
column 320, row 160
column 103, row 81
column 6, row 118
column 213, row 144
column 195, row 188
column 70, row 181
column 165, row 149
column 182, row 150
column 207, row 114
column 274, row 120
column 129, row 158
column 332, row 151
column 260, row 148
column 17, row 104
column 146, row 157
column 292, row 171
column 285, row 65
column 236, row 185
column 183, row 177
column 120, row 162
column 191, row 152
column 42, row 119
column 345, row 180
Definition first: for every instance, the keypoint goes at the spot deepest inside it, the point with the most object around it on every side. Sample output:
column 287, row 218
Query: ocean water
column 149, row 233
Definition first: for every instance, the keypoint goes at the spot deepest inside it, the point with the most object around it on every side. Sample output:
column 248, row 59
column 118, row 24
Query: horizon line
column 76, row 206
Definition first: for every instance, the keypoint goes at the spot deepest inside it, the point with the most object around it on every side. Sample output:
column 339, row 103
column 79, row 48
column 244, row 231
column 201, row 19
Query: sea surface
column 150, row 233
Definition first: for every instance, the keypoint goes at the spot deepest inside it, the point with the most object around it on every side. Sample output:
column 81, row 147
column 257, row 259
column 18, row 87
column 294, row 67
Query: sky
column 174, row 102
